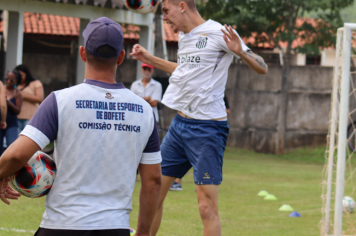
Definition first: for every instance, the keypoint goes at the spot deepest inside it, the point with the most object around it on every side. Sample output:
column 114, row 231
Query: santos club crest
column 202, row 42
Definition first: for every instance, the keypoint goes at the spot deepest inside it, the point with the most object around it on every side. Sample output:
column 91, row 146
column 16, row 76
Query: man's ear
column 183, row 7
column 82, row 54
column 121, row 57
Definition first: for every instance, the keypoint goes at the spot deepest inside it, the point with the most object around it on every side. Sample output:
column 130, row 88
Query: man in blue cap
column 102, row 134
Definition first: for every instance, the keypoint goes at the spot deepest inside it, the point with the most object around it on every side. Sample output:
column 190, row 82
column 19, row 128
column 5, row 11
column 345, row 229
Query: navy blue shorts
column 195, row 143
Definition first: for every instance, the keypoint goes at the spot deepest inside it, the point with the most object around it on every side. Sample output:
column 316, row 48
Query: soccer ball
column 132, row 232
column 141, row 6
column 348, row 204
column 35, row 179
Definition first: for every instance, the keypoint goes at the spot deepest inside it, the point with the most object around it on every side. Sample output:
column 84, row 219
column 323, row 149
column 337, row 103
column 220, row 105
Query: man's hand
column 147, row 99
column 3, row 125
column 6, row 192
column 141, row 54
column 232, row 40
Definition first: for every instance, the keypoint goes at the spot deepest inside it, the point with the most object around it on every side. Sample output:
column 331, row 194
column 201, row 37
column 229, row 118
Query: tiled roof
column 170, row 35
column 50, row 24
column 46, row 24
column 96, row 3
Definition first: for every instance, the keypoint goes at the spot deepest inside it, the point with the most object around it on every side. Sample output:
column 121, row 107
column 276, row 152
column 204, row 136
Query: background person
column 3, row 106
column 32, row 95
column 227, row 106
column 177, row 185
column 14, row 103
column 148, row 88
column 102, row 132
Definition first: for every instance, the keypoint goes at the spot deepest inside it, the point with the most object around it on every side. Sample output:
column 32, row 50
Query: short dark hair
column 100, row 61
column 190, row 3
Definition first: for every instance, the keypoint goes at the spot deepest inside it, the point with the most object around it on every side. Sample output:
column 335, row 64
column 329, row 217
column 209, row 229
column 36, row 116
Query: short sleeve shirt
column 101, row 132
column 28, row 109
column 197, row 85
column 152, row 89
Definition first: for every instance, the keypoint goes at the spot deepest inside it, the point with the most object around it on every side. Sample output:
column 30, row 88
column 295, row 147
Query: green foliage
column 274, row 21
column 348, row 14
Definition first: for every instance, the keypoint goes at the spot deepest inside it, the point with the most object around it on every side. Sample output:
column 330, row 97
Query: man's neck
column 193, row 20
column 103, row 76
column 145, row 81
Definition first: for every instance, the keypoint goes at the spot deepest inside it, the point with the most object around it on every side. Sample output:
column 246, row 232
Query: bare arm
column 141, row 54
column 3, row 106
column 17, row 155
column 149, row 197
column 37, row 98
column 153, row 103
column 12, row 160
column 18, row 103
column 254, row 61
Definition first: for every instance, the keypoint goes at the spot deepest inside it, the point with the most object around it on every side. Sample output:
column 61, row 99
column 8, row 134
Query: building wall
column 254, row 115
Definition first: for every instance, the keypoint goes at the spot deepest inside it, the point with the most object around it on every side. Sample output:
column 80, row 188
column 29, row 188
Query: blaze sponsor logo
column 193, row 61
column 109, row 96
column 188, row 59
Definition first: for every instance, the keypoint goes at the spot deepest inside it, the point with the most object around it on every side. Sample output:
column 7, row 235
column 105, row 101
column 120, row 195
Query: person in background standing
column 147, row 88
column 3, row 107
column 227, row 106
column 32, row 94
column 14, row 103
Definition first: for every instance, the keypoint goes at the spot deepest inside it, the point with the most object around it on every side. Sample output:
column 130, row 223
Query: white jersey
column 102, row 132
column 153, row 89
column 197, row 85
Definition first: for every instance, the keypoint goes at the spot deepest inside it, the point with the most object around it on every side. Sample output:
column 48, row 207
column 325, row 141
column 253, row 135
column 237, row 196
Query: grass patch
column 294, row 178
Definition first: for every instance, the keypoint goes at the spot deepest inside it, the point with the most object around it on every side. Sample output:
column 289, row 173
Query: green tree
column 275, row 21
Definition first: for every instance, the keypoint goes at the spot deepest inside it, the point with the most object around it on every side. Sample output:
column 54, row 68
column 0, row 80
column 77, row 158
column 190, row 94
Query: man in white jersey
column 102, row 133
column 197, row 136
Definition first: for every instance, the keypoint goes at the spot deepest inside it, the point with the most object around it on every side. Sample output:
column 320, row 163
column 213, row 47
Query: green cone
column 270, row 197
column 286, row 207
column 262, row 193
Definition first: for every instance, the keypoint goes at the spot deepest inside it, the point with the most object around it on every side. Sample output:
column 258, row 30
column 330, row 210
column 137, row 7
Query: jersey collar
column 104, row 85
column 149, row 83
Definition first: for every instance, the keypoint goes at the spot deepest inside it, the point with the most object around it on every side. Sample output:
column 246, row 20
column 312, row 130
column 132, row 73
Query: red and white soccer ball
column 36, row 178
column 141, row 6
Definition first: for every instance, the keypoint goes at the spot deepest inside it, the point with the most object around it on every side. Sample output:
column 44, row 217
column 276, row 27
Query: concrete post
column 146, row 41
column 14, row 39
column 80, row 64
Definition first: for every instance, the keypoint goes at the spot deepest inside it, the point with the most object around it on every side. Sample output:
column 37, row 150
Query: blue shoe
column 176, row 187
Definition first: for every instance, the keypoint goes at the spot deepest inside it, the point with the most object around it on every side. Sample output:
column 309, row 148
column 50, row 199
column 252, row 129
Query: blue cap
column 100, row 32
